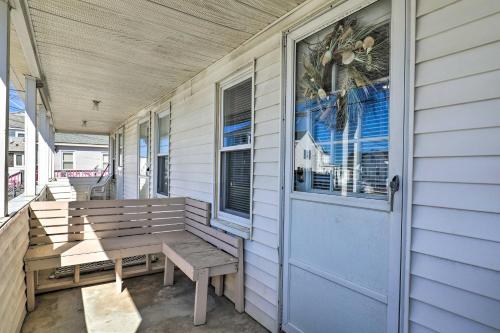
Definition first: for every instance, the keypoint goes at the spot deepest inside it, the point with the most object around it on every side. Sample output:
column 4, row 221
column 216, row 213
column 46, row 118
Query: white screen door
column 144, row 158
column 344, row 134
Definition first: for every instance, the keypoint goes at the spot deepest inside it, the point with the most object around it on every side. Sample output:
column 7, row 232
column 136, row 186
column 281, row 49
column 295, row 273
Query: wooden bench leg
column 200, row 299
column 218, row 282
column 148, row 262
column 76, row 277
column 30, row 290
column 168, row 277
column 119, row 275
column 239, row 288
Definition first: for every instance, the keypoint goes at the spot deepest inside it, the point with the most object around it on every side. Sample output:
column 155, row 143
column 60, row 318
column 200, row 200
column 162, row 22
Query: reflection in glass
column 342, row 107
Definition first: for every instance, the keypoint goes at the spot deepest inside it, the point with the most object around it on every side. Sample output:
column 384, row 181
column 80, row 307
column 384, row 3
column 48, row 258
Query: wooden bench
column 202, row 252
column 80, row 232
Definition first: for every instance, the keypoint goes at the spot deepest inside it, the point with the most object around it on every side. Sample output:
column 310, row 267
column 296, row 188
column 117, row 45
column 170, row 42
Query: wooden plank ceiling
column 126, row 53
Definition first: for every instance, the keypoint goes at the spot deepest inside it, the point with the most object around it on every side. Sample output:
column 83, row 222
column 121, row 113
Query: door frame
column 399, row 59
column 145, row 119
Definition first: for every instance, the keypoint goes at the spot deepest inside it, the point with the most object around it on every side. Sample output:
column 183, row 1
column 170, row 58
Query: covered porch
column 304, row 166
column 85, row 67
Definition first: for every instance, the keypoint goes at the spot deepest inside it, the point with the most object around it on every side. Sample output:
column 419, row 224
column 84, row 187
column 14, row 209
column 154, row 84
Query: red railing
column 81, row 173
column 16, row 180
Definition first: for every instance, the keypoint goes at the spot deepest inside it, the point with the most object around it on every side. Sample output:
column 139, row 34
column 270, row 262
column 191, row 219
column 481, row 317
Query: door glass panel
column 342, row 108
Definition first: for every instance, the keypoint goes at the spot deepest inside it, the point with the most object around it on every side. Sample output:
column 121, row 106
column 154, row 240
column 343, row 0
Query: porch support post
column 43, row 152
column 30, row 129
column 4, row 103
column 52, row 151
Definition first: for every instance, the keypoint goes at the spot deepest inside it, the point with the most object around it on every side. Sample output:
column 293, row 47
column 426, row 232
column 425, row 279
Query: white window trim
column 22, row 161
column 72, row 152
column 120, row 150
column 102, row 159
column 160, row 114
column 145, row 119
column 19, row 132
column 234, row 224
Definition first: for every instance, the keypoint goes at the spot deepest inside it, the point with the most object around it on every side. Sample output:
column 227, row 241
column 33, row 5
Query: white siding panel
column 478, row 197
column 454, row 16
column 130, row 159
column 465, row 116
column 463, row 90
column 467, row 36
column 455, row 239
column 474, row 142
column 192, row 170
column 426, row 315
column 478, row 308
column 461, row 64
column 457, row 222
column 480, row 169
column 477, row 280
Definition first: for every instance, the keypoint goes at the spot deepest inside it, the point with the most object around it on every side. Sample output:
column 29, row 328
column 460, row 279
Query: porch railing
column 81, row 173
column 15, row 184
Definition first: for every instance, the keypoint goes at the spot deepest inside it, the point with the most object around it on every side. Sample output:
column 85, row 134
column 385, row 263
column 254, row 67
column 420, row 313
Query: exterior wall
column 13, row 245
column 455, row 236
column 192, row 169
column 130, row 162
column 86, row 158
column 454, row 241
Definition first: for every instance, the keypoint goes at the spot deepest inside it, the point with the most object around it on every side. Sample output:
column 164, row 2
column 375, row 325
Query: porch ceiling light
column 96, row 103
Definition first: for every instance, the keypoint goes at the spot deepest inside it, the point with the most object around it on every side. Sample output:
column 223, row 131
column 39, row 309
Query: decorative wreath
column 358, row 55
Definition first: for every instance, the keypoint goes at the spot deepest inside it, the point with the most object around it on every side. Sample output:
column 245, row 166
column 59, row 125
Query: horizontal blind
column 236, row 182
column 353, row 160
column 237, row 114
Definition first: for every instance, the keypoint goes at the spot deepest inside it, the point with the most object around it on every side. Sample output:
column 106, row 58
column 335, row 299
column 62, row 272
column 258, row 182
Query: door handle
column 393, row 188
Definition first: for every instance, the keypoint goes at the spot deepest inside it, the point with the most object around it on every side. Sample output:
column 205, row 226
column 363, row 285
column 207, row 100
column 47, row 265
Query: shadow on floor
column 144, row 306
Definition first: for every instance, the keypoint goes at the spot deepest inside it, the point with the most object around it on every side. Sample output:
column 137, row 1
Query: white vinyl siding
column 130, row 160
column 192, row 168
column 455, row 241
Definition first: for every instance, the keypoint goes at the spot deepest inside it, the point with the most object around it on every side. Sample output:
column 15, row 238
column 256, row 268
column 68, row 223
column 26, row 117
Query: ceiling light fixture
column 96, row 104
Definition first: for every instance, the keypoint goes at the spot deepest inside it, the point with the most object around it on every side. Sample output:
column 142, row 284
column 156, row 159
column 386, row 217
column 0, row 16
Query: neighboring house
column 16, row 142
column 81, row 151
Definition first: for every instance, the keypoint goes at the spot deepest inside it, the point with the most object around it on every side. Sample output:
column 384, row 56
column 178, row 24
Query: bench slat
column 214, row 241
column 126, row 203
column 104, row 226
column 62, row 238
column 220, row 235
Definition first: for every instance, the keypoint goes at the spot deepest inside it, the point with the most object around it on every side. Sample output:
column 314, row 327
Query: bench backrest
column 201, row 228
column 54, row 222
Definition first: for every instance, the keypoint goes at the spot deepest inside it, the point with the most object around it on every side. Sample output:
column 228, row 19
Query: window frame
column 290, row 40
column 121, row 146
column 156, row 150
column 102, row 159
column 14, row 159
column 72, row 152
column 240, row 222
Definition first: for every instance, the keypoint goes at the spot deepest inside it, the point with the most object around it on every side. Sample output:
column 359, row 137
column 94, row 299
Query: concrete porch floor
column 144, row 306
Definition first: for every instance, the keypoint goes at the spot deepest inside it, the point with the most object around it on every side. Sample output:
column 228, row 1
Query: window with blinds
column 235, row 149
column 162, row 153
column 237, row 117
column 342, row 136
